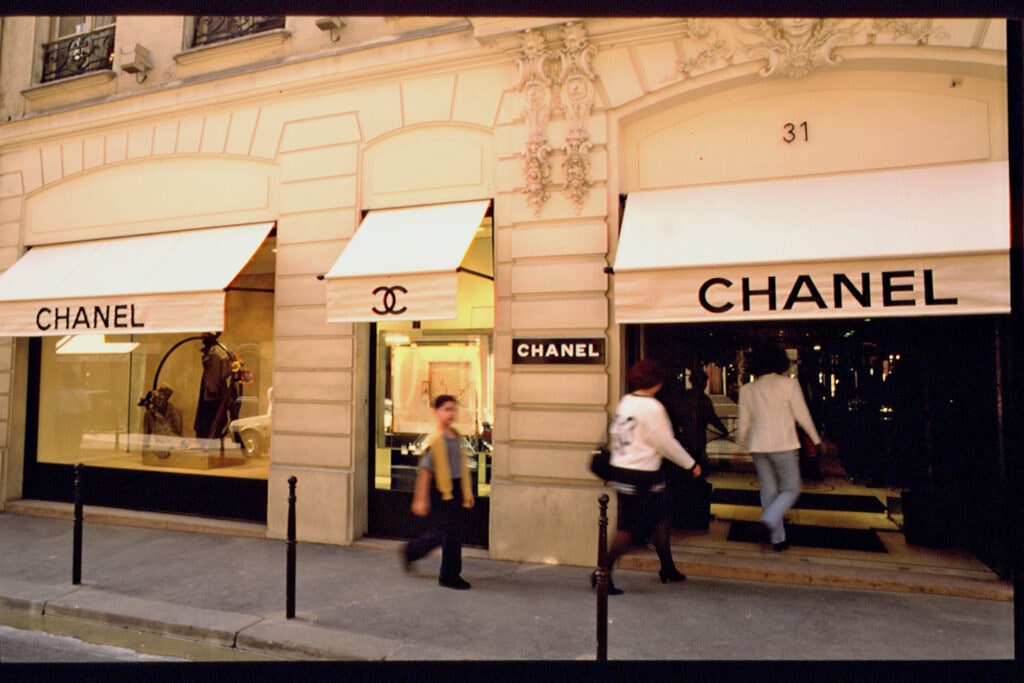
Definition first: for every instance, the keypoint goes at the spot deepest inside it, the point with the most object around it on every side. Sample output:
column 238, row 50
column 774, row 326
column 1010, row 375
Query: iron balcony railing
column 216, row 29
column 78, row 54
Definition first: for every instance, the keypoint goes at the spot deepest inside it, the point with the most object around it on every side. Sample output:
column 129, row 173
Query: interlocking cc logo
column 389, row 300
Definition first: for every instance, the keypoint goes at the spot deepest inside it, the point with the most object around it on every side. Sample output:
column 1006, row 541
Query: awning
column 404, row 264
column 167, row 282
column 907, row 242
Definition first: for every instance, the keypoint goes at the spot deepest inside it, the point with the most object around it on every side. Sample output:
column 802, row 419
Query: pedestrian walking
column 443, row 489
column 641, row 435
column 770, row 408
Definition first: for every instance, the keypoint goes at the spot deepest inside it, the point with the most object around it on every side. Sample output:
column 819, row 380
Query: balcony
column 78, row 54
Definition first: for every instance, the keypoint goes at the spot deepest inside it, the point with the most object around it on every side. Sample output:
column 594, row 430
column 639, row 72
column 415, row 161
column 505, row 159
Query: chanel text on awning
column 717, row 295
column 71, row 318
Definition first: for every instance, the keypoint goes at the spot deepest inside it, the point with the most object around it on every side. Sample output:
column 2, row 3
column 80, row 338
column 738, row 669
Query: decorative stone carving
column 536, row 68
column 918, row 30
column 712, row 50
column 577, row 94
column 795, row 47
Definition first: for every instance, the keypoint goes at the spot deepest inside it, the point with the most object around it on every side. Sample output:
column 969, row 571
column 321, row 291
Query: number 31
column 791, row 132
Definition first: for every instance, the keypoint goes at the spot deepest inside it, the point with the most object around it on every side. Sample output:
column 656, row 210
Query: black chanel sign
column 558, row 351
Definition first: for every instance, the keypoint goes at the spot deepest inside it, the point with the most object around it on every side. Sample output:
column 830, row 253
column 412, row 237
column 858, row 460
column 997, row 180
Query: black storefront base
column 928, row 519
column 391, row 517
column 218, row 497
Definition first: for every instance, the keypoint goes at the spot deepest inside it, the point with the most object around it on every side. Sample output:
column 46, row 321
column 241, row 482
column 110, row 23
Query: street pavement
column 18, row 646
column 357, row 604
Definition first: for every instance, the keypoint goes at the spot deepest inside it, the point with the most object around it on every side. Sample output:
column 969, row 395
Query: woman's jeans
column 779, row 475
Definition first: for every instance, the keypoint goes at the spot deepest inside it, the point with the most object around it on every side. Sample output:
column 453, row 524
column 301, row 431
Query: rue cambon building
column 236, row 250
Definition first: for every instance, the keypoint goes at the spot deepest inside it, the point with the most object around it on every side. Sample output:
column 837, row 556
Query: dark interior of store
column 912, row 407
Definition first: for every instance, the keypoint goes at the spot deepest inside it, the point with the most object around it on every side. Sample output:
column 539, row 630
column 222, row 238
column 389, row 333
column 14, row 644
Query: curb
column 181, row 621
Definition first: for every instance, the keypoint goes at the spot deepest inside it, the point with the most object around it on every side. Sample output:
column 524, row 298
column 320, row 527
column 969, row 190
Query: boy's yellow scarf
column 438, row 447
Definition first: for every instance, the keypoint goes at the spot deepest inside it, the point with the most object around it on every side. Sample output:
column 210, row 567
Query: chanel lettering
column 121, row 316
column 717, row 294
column 558, row 351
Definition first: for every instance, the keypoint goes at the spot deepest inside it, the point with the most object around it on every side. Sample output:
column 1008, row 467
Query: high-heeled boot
column 673, row 575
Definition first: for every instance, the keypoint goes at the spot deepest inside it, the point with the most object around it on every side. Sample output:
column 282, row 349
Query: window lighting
column 92, row 344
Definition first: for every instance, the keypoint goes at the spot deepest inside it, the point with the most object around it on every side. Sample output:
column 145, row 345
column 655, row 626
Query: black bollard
column 76, row 551
column 290, row 571
column 602, row 580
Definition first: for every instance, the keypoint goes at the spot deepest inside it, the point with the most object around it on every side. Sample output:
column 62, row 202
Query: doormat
column 840, row 502
column 861, row 540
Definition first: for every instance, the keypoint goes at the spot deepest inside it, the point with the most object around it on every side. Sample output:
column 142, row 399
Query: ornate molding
column 920, row 31
column 536, row 68
column 795, row 47
column 556, row 80
column 712, row 50
column 577, row 94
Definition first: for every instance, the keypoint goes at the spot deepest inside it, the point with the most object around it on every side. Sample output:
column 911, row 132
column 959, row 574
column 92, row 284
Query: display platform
column 191, row 459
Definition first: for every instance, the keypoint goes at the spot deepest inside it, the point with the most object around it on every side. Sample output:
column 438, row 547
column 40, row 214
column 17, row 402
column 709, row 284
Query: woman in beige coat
column 770, row 408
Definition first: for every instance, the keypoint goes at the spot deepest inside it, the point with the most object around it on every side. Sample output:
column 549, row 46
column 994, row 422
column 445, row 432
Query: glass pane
column 67, row 26
column 185, row 403
column 100, row 21
column 415, row 368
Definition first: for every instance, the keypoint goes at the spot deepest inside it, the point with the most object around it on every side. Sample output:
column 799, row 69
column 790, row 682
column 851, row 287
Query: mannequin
column 215, row 395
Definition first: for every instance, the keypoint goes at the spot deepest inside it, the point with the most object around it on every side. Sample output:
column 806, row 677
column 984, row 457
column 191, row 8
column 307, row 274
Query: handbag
column 601, row 463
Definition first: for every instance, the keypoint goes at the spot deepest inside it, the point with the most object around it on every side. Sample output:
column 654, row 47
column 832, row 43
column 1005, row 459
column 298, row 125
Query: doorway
column 911, row 405
column 412, row 367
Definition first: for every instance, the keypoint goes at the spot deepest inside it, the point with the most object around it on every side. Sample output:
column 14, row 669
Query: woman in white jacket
column 770, row 408
column 641, row 435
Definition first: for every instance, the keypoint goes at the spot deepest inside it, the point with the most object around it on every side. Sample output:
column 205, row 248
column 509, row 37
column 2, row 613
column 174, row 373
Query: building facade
column 371, row 211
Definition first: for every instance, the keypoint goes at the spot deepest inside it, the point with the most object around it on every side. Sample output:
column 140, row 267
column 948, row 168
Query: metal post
column 602, row 580
column 76, row 553
column 290, row 571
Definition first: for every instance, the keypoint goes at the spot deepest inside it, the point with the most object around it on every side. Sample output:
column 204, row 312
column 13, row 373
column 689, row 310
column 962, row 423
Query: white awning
column 906, row 242
column 403, row 264
column 167, row 282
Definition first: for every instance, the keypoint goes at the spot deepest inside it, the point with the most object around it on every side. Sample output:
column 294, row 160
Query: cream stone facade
column 553, row 119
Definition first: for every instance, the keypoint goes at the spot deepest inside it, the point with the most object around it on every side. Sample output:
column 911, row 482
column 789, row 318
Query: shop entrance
column 411, row 369
column 912, row 406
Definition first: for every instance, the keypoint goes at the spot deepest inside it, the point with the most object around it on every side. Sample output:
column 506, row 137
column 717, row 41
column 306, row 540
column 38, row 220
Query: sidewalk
column 356, row 603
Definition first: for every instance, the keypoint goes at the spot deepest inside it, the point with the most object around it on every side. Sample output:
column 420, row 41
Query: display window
column 191, row 403
column 416, row 361
column 415, row 368
column 423, row 278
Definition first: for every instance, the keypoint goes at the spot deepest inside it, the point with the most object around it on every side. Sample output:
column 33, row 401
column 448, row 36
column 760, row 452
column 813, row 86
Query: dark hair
column 766, row 359
column 644, row 374
column 442, row 399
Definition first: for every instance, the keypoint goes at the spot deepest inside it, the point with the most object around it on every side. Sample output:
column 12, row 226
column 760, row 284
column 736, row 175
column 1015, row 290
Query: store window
column 418, row 361
column 188, row 403
column 416, row 368
column 78, row 45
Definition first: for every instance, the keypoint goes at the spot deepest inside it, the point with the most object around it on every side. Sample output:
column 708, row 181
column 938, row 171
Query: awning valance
column 166, row 282
column 404, row 264
column 906, row 242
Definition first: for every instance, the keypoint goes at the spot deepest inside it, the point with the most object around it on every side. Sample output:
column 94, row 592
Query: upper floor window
column 216, row 29
column 78, row 45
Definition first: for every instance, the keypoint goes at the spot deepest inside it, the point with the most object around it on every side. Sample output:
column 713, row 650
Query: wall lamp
column 137, row 62
column 332, row 24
